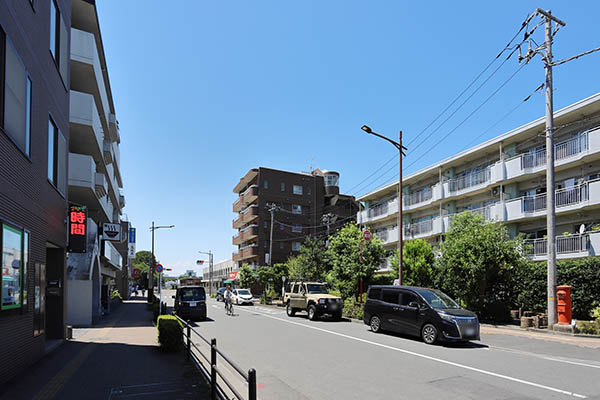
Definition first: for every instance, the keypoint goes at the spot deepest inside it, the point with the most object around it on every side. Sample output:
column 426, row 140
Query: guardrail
column 214, row 372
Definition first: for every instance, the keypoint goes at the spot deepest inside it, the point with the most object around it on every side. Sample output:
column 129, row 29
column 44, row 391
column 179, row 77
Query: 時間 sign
column 77, row 229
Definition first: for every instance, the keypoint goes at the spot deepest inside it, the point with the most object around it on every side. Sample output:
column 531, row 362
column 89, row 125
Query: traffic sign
column 136, row 273
column 367, row 235
column 159, row 268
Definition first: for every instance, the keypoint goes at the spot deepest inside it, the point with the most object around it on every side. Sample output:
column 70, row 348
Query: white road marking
column 572, row 362
column 481, row 371
column 577, row 362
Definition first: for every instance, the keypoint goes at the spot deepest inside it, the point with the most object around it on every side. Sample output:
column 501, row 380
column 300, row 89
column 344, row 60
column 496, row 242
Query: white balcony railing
column 563, row 197
column 566, row 244
column 418, row 228
column 562, row 150
column 418, row 197
column 471, row 179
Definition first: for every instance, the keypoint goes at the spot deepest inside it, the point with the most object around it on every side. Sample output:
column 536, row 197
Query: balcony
column 379, row 212
column 430, row 227
column 86, row 72
column 246, row 252
column 86, row 135
column 88, row 187
column 567, row 151
column 469, row 182
column 567, row 246
column 421, row 198
column 246, row 216
column 113, row 128
column 568, row 199
column 107, row 152
column 388, row 236
column 246, row 234
column 249, row 196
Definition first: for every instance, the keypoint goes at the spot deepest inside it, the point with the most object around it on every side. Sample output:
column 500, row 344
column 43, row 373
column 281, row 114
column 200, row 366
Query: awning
column 229, row 281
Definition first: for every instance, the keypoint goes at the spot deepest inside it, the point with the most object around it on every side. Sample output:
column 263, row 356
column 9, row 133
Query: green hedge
column 583, row 275
column 155, row 310
column 170, row 333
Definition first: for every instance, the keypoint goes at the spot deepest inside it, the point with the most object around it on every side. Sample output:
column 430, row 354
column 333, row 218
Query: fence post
column 213, row 371
column 189, row 336
column 251, row 384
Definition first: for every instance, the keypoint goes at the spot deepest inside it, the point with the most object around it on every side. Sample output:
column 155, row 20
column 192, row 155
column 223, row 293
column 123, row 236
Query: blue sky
column 205, row 91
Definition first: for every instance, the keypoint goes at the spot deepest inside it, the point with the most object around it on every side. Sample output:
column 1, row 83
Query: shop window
column 12, row 268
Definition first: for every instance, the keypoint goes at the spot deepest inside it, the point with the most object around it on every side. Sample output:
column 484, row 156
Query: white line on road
column 482, row 371
column 527, row 353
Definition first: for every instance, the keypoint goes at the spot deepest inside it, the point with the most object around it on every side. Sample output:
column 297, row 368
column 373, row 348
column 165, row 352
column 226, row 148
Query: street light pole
column 151, row 267
column 400, row 148
column 210, row 269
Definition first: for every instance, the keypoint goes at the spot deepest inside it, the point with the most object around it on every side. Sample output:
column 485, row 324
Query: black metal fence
column 214, row 372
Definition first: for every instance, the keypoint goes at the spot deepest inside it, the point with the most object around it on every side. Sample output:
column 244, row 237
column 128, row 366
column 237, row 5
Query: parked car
column 242, row 296
column 427, row 313
column 190, row 302
column 220, row 294
column 313, row 297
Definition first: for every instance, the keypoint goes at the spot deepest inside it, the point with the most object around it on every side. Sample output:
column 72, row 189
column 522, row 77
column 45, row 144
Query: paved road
column 300, row 359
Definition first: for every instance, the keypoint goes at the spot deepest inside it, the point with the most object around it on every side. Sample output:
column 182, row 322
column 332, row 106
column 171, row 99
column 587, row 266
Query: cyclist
column 228, row 297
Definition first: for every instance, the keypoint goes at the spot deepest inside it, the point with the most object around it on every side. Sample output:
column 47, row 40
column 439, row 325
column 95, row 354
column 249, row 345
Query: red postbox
column 563, row 304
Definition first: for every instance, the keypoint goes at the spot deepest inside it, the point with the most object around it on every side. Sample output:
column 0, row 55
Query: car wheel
column 375, row 324
column 312, row 312
column 289, row 310
column 429, row 334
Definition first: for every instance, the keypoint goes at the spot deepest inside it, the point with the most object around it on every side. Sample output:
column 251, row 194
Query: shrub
column 353, row 308
column 588, row 327
column 114, row 294
column 596, row 313
column 170, row 333
column 155, row 310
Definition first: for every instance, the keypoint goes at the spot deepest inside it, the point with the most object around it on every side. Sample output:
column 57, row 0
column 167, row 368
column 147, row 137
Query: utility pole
column 272, row 208
column 210, row 269
column 400, row 148
column 545, row 51
column 328, row 219
column 151, row 268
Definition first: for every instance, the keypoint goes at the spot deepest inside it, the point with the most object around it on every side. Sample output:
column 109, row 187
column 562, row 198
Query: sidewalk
column 118, row 359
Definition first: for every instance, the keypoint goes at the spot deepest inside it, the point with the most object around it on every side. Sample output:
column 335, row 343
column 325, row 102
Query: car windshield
column 437, row 299
column 192, row 294
column 316, row 289
column 243, row 291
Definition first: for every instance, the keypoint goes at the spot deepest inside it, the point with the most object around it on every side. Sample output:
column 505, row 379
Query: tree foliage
column 476, row 264
column 247, row 277
column 417, row 263
column 345, row 257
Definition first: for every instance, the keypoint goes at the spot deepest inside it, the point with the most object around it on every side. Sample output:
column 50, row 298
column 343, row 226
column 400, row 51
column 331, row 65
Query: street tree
column 348, row 267
column 314, row 259
column 476, row 264
column 247, row 277
column 417, row 263
column 144, row 256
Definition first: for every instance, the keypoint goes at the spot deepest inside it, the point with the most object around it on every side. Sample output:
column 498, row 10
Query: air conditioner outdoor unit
column 495, row 191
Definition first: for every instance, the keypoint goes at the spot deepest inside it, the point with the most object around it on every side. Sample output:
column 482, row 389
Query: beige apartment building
column 504, row 179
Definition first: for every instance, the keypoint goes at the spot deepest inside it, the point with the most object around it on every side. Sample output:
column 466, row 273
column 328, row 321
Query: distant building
column 303, row 199
column 222, row 271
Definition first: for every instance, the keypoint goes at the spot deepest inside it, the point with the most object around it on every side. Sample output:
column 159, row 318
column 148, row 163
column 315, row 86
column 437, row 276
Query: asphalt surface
column 300, row 359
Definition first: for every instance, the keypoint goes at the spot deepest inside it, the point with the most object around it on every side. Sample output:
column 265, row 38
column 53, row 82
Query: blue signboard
column 131, row 235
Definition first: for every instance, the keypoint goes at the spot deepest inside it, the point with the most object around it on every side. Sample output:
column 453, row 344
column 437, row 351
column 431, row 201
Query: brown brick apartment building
column 302, row 199
column 34, row 134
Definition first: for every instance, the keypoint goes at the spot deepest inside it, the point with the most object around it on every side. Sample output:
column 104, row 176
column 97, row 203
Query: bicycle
column 229, row 306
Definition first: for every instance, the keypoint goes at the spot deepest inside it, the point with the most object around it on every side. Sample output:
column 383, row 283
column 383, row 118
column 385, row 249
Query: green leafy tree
column 247, row 277
column 348, row 268
column 294, row 266
column 142, row 279
column 314, row 259
column 144, row 256
column 476, row 265
column 417, row 263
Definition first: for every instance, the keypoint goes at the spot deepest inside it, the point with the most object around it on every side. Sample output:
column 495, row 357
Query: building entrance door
column 55, row 266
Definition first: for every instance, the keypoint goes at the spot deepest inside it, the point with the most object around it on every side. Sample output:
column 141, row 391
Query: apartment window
column 298, row 189
column 295, row 246
column 58, row 39
column 296, row 209
column 12, row 267
column 308, row 190
column 281, row 245
column 280, row 226
column 265, row 224
column 265, row 245
column 57, row 157
column 15, row 96
column 266, row 184
column 282, row 187
column 297, row 228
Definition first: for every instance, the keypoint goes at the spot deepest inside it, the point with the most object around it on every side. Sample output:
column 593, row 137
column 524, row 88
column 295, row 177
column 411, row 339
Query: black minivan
column 423, row 312
column 190, row 302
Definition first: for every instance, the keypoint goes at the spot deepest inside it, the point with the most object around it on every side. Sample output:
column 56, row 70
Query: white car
column 242, row 296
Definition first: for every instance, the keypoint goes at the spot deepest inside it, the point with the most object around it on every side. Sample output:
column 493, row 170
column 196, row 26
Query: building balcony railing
column 247, row 215
column 245, row 252
column 248, row 233
column 563, row 197
column 249, row 196
column 567, row 246
column 418, row 228
column 470, row 180
column 420, row 196
column 86, row 186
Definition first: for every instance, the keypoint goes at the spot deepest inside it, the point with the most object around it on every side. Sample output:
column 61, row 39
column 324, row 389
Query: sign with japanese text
column 111, row 232
column 232, row 275
column 77, row 229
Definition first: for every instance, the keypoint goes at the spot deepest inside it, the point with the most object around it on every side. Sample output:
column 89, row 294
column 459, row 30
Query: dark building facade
column 34, row 135
column 301, row 199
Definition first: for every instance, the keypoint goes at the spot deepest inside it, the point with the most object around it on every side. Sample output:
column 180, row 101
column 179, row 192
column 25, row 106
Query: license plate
column 192, row 304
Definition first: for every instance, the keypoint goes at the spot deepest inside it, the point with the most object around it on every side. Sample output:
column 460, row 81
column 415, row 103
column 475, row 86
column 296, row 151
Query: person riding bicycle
column 228, row 296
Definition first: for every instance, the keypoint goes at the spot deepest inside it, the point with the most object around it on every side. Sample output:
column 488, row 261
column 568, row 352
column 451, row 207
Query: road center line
column 439, row 360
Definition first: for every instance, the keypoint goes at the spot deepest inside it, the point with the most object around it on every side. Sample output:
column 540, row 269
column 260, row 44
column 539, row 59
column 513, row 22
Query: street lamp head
column 366, row 129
